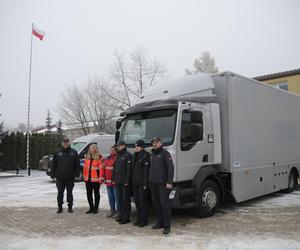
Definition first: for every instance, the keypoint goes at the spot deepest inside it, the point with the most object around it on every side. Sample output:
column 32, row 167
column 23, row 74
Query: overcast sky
column 251, row 38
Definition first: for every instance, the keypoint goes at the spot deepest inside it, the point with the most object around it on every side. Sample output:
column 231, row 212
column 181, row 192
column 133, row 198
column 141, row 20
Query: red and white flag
column 38, row 33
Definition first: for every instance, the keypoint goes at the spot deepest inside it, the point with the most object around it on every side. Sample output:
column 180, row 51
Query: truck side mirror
column 197, row 132
column 117, row 136
column 118, row 124
column 196, row 117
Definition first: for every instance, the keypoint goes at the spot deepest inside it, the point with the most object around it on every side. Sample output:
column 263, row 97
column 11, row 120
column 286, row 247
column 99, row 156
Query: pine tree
column 48, row 121
column 204, row 64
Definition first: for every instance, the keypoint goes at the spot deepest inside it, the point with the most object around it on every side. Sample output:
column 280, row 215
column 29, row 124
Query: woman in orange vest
column 93, row 176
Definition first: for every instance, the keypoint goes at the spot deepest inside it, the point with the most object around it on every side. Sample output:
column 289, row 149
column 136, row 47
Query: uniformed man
column 121, row 179
column 65, row 168
column 139, row 179
column 161, row 179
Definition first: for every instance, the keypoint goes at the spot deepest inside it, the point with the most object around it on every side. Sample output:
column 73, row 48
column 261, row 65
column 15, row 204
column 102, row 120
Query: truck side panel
column 260, row 134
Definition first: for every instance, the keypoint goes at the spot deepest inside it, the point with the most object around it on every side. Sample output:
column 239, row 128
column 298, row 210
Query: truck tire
column 292, row 182
column 207, row 199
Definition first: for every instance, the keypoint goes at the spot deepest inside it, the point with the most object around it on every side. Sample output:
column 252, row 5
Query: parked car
column 43, row 163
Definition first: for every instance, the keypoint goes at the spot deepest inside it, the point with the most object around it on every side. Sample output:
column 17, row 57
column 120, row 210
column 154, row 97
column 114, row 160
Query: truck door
column 193, row 147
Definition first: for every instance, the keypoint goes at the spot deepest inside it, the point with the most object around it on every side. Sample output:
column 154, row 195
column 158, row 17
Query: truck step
column 189, row 205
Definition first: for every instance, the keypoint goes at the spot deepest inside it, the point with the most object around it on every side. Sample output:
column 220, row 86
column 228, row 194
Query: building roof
column 277, row 75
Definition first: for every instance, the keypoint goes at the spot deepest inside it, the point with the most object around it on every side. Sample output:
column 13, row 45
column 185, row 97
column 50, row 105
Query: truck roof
column 184, row 88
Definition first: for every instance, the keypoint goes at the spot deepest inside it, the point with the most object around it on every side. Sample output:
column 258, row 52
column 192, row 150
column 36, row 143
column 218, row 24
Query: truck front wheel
column 208, row 199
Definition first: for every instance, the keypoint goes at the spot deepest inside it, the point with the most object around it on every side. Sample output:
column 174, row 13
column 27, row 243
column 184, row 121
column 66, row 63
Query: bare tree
column 101, row 109
column 144, row 71
column 133, row 76
column 89, row 106
column 99, row 101
column 204, row 64
column 72, row 108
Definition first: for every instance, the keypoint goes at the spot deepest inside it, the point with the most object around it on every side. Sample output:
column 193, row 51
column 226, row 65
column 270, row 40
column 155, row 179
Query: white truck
column 229, row 136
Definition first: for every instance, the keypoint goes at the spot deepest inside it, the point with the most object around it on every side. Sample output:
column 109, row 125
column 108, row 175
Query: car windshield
column 146, row 125
column 77, row 145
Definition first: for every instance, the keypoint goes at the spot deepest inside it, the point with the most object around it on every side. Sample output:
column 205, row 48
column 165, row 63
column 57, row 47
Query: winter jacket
column 161, row 167
column 122, row 165
column 65, row 164
column 93, row 170
column 108, row 165
column 140, row 168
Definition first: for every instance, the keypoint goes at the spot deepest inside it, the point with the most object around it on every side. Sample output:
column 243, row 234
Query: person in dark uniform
column 139, row 180
column 65, row 168
column 161, row 179
column 121, row 179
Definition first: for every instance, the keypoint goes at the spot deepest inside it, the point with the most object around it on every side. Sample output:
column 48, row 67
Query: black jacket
column 140, row 168
column 161, row 167
column 65, row 164
column 121, row 170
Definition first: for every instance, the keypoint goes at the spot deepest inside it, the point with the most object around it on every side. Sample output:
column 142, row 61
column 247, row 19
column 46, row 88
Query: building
column 286, row 80
column 71, row 131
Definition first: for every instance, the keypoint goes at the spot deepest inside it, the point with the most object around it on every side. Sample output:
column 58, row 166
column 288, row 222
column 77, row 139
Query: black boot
column 125, row 221
column 59, row 210
column 166, row 230
column 137, row 222
column 143, row 224
column 70, row 209
column 91, row 210
column 157, row 226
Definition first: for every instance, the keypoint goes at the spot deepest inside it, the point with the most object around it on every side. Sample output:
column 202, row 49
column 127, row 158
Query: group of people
column 141, row 174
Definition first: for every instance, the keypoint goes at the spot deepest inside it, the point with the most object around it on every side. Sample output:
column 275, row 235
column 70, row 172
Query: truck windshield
column 77, row 145
column 146, row 125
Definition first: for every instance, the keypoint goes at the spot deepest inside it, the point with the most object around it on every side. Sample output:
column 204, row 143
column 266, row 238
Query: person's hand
column 126, row 185
column 144, row 187
column 169, row 186
column 113, row 183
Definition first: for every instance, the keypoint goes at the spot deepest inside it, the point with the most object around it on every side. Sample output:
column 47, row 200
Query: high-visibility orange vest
column 96, row 170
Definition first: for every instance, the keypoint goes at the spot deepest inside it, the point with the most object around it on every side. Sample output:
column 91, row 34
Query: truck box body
column 260, row 127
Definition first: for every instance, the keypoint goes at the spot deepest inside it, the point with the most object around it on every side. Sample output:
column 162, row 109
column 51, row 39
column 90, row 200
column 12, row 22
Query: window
column 191, row 128
column 146, row 125
column 282, row 85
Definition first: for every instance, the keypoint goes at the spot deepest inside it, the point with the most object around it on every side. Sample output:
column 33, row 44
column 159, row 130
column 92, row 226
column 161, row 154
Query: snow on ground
column 28, row 221
column 159, row 243
column 38, row 190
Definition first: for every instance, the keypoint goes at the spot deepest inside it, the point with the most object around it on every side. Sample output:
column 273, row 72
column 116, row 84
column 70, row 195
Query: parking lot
column 28, row 220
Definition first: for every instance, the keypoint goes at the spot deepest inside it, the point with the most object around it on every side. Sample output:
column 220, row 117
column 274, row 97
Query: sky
column 249, row 37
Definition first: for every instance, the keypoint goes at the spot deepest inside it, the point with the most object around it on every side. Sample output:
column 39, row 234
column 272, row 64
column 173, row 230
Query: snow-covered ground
column 28, row 220
column 38, row 190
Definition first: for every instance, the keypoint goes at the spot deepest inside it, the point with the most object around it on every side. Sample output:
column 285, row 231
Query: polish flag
column 38, row 33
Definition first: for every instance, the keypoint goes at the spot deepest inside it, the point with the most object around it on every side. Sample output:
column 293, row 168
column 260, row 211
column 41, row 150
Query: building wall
column 293, row 82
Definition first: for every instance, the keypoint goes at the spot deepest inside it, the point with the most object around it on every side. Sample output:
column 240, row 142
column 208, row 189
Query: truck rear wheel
column 292, row 182
column 208, row 199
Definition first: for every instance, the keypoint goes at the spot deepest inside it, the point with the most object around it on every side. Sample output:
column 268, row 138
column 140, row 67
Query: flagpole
column 28, row 110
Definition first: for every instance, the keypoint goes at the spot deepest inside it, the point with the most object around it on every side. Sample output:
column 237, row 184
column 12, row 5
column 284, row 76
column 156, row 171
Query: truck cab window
column 191, row 129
